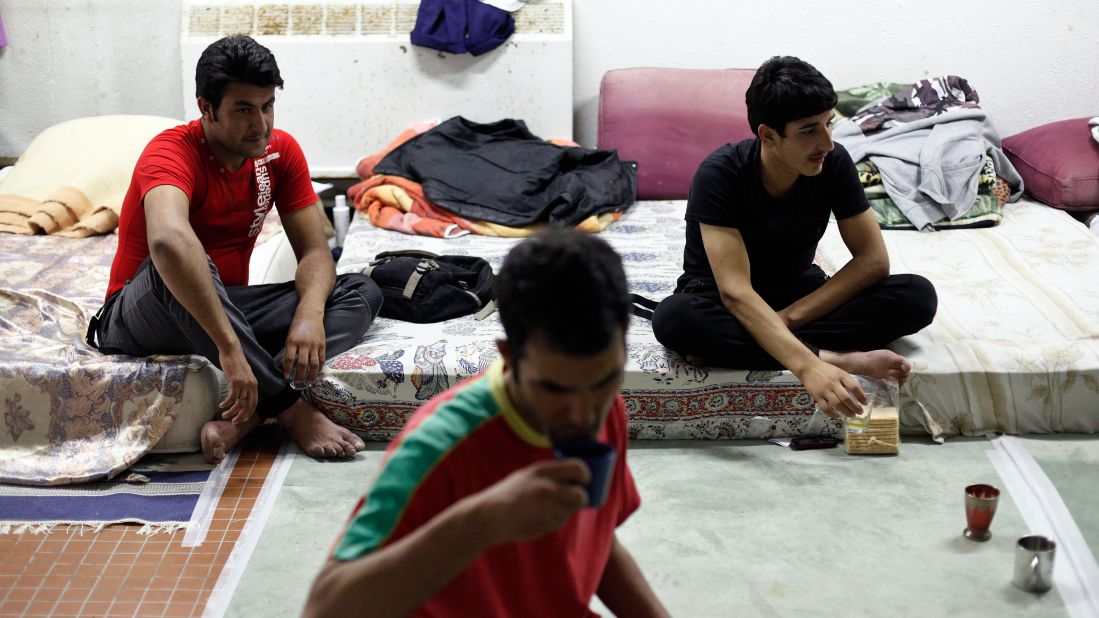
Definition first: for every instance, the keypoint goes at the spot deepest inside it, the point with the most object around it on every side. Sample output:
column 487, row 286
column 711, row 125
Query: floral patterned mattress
column 69, row 413
column 1015, row 345
column 374, row 387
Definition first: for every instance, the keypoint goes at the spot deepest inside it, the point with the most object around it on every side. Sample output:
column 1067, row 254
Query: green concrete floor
column 1072, row 463
column 749, row 528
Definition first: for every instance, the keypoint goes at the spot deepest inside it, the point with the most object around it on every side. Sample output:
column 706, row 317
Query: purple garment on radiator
column 3, row 37
column 459, row 26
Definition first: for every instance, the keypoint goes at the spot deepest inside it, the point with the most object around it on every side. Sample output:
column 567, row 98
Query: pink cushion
column 669, row 120
column 1059, row 163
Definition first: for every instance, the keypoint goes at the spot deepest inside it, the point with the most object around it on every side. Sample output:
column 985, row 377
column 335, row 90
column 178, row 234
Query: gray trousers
column 144, row 318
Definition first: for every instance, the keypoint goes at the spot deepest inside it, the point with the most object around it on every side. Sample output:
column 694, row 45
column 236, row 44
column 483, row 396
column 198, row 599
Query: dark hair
column 786, row 88
column 234, row 59
column 566, row 286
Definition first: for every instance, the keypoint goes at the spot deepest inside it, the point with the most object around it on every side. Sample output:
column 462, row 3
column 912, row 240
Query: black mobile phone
column 802, row 443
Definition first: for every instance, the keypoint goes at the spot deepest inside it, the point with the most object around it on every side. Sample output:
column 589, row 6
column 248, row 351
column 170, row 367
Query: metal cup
column 980, row 506
column 1034, row 563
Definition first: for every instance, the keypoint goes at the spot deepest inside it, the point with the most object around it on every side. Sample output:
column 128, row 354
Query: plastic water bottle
column 341, row 219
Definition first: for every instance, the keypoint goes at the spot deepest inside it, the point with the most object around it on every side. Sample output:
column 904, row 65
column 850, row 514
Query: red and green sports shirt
column 227, row 208
column 458, row 444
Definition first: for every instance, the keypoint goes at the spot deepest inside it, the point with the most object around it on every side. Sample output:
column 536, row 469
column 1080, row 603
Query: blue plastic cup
column 599, row 457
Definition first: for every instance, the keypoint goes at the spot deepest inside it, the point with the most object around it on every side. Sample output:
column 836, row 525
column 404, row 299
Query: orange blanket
column 396, row 203
column 66, row 212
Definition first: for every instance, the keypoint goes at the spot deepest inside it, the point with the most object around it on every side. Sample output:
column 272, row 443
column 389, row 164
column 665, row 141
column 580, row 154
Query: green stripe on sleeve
column 411, row 462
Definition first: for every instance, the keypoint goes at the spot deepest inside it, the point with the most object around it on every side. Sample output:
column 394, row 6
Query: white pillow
column 273, row 261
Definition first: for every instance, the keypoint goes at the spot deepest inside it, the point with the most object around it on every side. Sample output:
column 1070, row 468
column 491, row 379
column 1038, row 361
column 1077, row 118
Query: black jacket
column 502, row 173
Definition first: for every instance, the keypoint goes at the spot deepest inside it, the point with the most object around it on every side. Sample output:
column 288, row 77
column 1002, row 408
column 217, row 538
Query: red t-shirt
column 460, row 443
column 227, row 208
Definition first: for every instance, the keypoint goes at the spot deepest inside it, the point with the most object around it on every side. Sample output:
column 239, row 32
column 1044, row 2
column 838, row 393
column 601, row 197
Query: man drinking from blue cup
column 472, row 513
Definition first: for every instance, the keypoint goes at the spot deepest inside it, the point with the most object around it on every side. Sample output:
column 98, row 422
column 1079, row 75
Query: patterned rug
column 160, row 491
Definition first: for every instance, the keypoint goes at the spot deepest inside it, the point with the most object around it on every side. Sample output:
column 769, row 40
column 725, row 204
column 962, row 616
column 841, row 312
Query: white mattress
column 1013, row 348
column 1015, row 344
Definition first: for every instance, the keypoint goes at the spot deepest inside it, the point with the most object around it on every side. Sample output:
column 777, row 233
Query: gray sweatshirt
column 930, row 167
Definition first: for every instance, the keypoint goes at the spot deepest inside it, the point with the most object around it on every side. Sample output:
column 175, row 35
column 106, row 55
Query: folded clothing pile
column 930, row 144
column 496, row 179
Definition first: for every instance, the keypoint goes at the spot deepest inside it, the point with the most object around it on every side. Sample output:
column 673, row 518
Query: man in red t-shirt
column 198, row 198
column 471, row 514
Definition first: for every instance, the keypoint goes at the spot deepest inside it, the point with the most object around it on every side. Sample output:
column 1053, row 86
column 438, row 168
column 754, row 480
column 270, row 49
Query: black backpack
column 420, row 286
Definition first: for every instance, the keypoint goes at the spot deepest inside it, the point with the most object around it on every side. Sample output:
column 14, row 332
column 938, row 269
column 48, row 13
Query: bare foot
column 879, row 364
column 316, row 434
column 219, row 437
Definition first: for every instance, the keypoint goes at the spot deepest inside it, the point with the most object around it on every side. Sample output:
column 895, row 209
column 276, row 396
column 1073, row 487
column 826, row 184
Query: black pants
column 144, row 318
column 694, row 322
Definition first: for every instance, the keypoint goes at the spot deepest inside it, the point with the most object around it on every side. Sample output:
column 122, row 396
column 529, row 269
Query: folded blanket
column 73, row 177
column 396, row 203
column 66, row 212
column 992, row 193
column 922, row 99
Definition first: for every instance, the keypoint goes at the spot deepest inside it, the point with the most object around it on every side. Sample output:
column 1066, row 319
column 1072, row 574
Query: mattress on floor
column 71, row 414
column 1015, row 344
column 374, row 387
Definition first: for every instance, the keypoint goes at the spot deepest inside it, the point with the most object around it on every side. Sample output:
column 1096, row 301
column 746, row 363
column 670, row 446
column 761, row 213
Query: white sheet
column 1015, row 345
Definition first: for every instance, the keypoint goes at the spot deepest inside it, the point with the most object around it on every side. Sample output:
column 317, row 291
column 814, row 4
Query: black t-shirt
column 780, row 235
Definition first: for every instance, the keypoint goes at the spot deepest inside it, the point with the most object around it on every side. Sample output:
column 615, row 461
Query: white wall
column 67, row 59
column 1031, row 62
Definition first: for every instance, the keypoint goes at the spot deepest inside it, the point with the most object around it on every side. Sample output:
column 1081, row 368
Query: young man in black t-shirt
column 750, row 296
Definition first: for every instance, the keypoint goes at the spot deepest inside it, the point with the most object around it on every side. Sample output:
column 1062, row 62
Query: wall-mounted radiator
column 354, row 81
